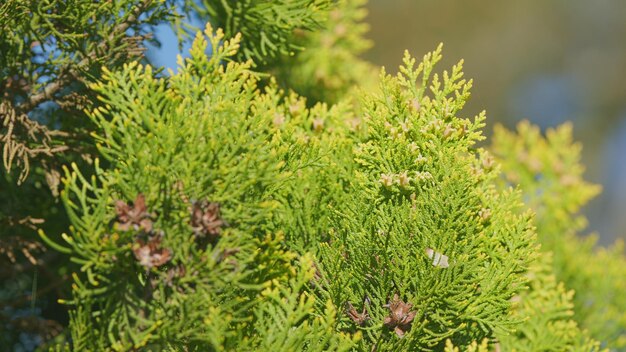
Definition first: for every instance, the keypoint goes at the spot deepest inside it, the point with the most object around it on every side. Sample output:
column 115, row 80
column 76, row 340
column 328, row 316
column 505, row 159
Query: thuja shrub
column 548, row 171
column 229, row 216
column 273, row 194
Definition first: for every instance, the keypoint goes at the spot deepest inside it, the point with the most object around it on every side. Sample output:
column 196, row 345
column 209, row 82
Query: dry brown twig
column 24, row 139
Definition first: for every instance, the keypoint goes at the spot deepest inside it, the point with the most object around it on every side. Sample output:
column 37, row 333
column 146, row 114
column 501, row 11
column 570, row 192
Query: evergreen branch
column 68, row 73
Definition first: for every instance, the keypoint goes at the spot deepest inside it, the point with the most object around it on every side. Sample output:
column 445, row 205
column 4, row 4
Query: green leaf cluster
column 267, row 27
column 323, row 209
column 549, row 173
column 200, row 135
column 50, row 50
column 275, row 195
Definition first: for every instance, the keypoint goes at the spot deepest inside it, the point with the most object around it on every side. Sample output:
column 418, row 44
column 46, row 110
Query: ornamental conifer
column 276, row 193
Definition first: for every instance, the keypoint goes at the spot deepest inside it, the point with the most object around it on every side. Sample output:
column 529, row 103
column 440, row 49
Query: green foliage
column 549, row 310
column 310, row 46
column 224, row 211
column 50, row 50
column 201, row 136
column 418, row 194
column 549, row 173
column 329, row 67
column 473, row 347
column 208, row 133
column 267, row 27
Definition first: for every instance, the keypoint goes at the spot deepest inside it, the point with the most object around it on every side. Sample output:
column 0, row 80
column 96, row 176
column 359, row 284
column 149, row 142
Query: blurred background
column 548, row 61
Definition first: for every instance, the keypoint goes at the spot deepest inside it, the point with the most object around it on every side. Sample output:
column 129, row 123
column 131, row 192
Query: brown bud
column 400, row 317
column 295, row 108
column 279, row 120
column 318, row 125
column 488, row 162
column 484, row 214
column 151, row 254
column 414, row 104
column 135, row 216
column 354, row 123
column 173, row 273
column 358, row 318
column 206, row 219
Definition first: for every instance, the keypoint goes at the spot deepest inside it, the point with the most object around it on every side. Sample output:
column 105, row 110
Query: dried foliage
column 359, row 318
column 24, row 139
